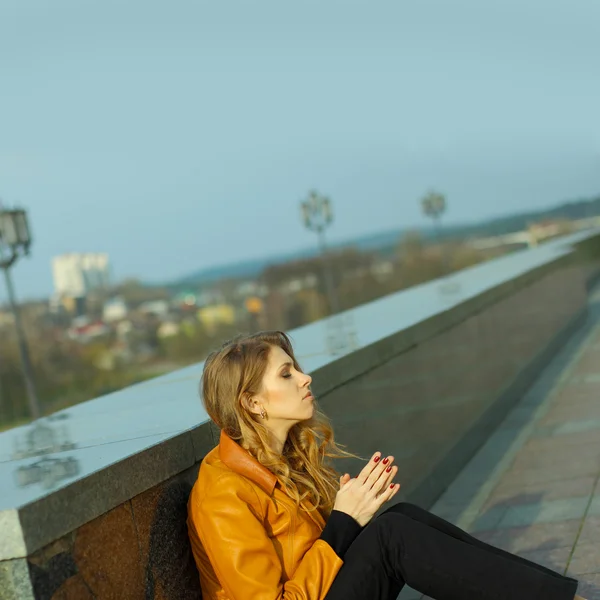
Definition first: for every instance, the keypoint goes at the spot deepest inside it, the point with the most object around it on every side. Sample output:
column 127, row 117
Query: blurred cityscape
column 95, row 335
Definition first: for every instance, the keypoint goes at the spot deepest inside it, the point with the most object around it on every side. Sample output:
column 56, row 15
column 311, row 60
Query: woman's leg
column 395, row 549
column 367, row 573
column 423, row 516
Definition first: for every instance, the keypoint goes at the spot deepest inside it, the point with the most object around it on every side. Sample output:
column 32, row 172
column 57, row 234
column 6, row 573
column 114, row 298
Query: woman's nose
column 308, row 380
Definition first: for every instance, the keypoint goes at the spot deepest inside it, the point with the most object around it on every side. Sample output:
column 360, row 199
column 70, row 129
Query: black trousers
column 409, row 545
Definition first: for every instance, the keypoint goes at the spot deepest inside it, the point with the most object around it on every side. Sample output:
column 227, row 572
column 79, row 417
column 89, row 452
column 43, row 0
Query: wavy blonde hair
column 235, row 372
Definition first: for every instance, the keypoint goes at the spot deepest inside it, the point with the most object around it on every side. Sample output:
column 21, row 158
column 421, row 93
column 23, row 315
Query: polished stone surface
column 46, row 519
column 14, row 580
column 423, row 404
column 160, row 515
column 137, row 550
column 534, row 488
column 87, row 437
column 53, row 462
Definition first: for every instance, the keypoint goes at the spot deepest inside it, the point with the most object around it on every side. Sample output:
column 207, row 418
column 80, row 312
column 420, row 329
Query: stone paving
column 533, row 489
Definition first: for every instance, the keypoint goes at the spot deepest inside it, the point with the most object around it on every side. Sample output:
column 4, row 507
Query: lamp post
column 433, row 205
column 317, row 215
column 15, row 241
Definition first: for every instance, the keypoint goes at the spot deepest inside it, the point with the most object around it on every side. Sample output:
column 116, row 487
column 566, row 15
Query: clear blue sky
column 179, row 135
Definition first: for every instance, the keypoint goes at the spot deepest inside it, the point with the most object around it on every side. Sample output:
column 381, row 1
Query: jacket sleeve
column 229, row 524
column 340, row 531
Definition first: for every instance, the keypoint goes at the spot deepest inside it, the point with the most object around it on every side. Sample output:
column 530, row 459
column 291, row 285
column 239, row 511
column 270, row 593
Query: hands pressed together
column 364, row 495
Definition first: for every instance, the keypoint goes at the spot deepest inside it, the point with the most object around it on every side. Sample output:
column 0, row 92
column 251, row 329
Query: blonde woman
column 270, row 519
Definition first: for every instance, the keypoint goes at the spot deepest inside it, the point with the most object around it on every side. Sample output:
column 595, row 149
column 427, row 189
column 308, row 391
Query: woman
column 268, row 518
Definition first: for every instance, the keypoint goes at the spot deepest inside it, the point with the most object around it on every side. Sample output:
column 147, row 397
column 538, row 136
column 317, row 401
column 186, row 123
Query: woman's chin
column 307, row 413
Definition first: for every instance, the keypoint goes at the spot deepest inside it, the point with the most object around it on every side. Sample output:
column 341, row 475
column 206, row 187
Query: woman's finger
column 347, row 483
column 368, row 468
column 344, row 479
column 376, row 479
column 387, row 494
column 385, row 481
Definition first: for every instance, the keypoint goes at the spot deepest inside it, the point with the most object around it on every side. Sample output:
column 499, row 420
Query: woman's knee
column 391, row 522
column 404, row 508
column 393, row 529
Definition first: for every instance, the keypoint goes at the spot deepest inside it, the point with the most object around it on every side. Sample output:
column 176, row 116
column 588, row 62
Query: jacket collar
column 242, row 462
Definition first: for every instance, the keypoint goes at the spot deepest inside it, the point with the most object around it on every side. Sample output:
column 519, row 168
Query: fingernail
column 376, row 459
column 391, row 486
column 386, row 461
column 388, row 469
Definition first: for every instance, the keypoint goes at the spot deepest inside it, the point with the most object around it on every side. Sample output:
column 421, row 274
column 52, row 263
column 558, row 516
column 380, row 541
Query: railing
column 425, row 374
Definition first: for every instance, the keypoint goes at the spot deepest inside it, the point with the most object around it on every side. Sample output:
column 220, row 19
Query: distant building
column 155, row 307
column 85, row 331
column 218, row 314
column 75, row 275
column 114, row 309
column 168, row 329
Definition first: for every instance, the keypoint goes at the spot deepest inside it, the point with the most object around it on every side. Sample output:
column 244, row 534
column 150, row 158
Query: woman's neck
column 275, row 443
column 277, row 439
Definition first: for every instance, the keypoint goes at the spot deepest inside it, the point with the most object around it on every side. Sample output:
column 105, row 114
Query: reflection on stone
column 42, row 437
column 340, row 334
column 47, row 471
column 449, row 287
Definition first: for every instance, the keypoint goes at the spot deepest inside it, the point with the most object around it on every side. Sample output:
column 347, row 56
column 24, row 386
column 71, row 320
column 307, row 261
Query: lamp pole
column 317, row 215
column 434, row 205
column 15, row 241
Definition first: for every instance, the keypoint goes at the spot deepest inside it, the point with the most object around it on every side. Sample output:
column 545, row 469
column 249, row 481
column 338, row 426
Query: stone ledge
column 34, row 524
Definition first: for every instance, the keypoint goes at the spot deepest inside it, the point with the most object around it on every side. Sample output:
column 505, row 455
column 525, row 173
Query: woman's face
column 285, row 393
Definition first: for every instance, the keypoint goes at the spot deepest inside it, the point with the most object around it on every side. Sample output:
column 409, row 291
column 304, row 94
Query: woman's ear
column 250, row 404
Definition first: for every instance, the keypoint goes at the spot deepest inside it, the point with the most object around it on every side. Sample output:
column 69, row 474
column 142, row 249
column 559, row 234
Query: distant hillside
column 578, row 209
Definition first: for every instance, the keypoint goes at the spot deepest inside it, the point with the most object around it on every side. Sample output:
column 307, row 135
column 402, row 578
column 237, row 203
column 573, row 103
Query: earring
column 263, row 413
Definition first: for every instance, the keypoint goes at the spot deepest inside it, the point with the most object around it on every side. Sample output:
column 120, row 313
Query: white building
column 114, row 309
column 75, row 275
column 155, row 307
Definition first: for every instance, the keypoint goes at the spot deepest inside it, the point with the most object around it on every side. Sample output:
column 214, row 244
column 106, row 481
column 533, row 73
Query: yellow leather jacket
column 249, row 540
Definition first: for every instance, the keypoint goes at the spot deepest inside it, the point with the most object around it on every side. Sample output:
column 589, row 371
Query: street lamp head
column 14, row 231
column 317, row 212
column 23, row 232
column 433, row 204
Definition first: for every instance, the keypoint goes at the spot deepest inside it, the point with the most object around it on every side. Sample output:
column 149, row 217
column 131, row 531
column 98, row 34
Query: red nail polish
column 388, row 469
column 386, row 461
column 376, row 459
column 391, row 486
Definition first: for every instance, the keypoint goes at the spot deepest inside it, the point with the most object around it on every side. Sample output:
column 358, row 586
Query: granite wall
column 138, row 550
column 431, row 406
